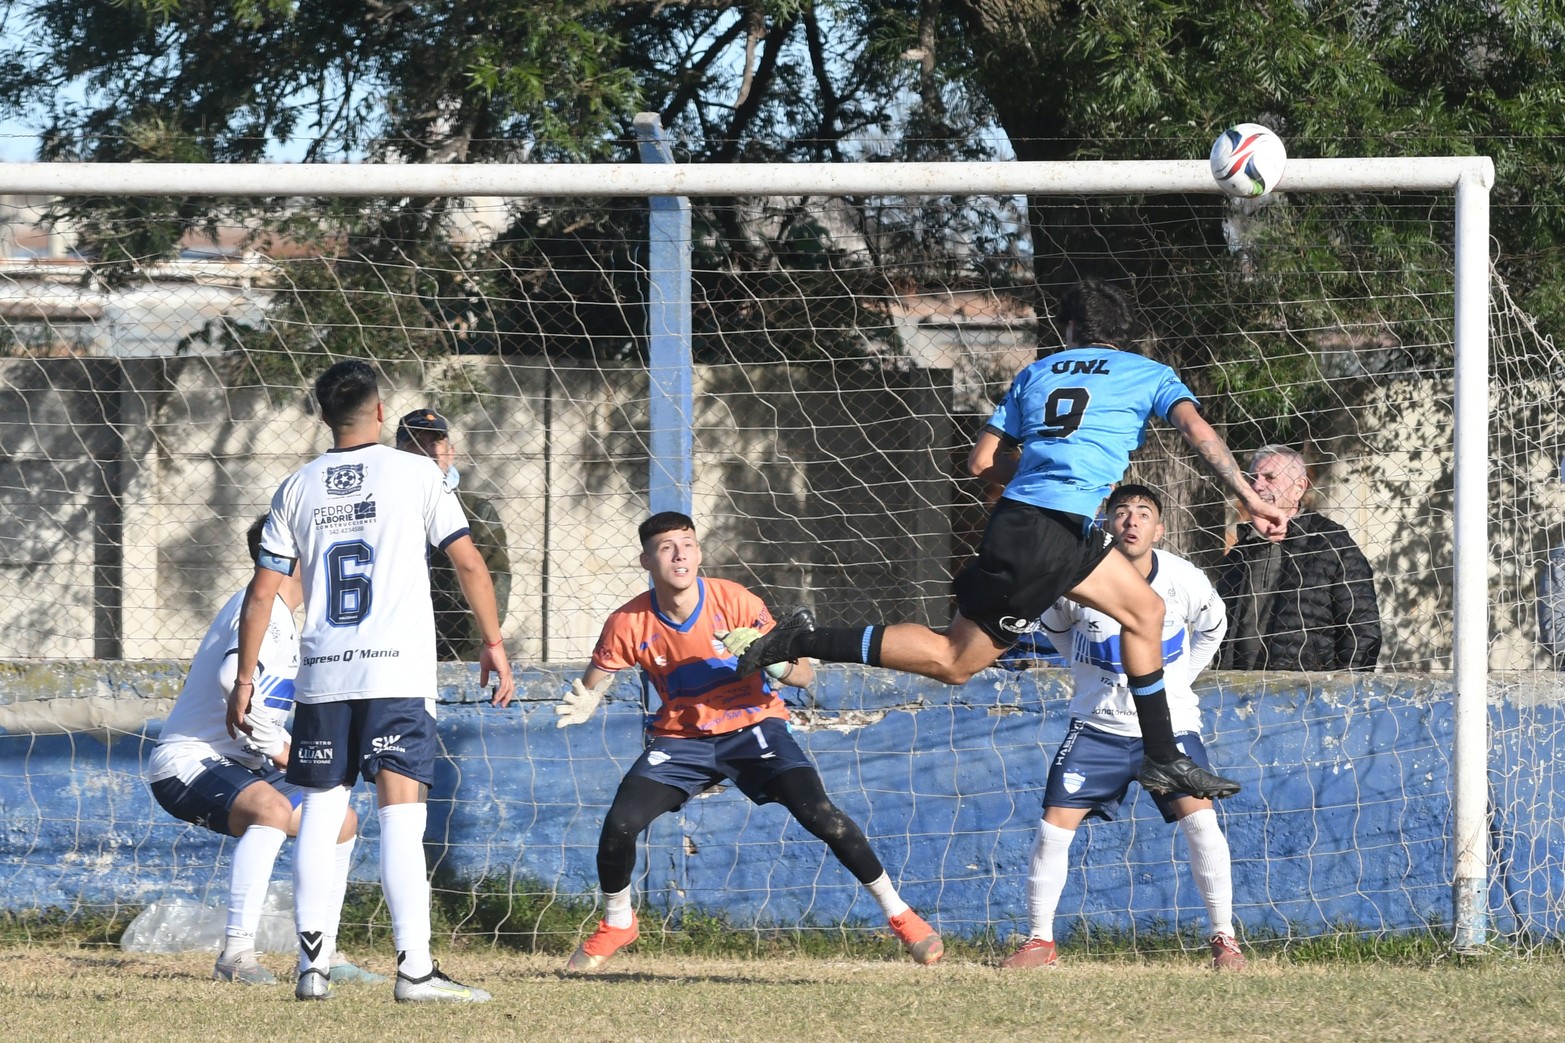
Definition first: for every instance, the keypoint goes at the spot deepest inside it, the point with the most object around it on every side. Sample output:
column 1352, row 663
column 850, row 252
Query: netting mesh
column 847, row 353
column 154, row 402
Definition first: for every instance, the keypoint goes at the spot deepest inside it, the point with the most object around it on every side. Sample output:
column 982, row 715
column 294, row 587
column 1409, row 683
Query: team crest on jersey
column 1073, row 781
column 344, row 479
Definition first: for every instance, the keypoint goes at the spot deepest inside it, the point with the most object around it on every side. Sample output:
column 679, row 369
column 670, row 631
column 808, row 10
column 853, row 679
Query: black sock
column 843, row 644
column 1157, row 727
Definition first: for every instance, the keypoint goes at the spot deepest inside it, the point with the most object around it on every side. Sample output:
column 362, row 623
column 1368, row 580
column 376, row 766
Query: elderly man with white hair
column 1302, row 599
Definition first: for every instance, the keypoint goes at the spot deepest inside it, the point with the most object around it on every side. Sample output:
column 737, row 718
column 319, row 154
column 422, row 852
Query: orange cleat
column 605, row 942
column 921, row 940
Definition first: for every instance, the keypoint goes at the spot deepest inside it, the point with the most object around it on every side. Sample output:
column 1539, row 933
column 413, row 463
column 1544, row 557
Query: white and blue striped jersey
column 196, row 727
column 1193, row 627
column 359, row 521
column 1077, row 415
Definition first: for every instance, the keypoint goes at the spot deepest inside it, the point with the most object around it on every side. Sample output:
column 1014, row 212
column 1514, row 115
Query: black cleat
column 777, row 644
column 1183, row 775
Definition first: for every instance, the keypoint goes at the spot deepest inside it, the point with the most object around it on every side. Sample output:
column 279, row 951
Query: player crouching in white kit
column 1101, row 753
column 201, row 775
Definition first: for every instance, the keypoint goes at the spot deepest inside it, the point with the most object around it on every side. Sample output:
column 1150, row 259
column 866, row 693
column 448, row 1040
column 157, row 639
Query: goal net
column 848, row 345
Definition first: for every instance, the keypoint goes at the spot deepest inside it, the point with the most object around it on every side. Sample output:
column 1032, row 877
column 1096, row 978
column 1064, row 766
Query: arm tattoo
column 1223, row 464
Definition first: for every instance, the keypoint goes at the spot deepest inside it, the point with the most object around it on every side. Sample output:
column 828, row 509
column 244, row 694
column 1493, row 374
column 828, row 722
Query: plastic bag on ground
column 186, row 925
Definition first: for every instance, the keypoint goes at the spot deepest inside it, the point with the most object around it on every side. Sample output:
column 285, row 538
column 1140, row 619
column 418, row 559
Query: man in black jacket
column 1302, row 600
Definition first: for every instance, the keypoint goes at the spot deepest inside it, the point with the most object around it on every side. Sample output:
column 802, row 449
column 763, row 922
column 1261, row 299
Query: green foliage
column 79, row 926
column 1142, row 79
column 1345, row 944
column 837, row 81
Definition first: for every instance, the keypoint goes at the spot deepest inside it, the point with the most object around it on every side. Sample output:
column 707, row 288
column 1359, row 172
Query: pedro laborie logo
column 344, row 479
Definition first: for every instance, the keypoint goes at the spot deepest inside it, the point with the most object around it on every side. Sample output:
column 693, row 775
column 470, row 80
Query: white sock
column 405, row 882
column 340, row 888
column 616, row 909
column 891, row 903
column 248, row 876
column 320, row 820
column 1046, row 874
column 1211, row 866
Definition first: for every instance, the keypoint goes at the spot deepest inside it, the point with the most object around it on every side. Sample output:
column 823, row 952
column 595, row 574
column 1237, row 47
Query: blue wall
column 1343, row 820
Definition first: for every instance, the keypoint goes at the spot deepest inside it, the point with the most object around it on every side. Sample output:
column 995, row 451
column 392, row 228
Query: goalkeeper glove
column 580, row 702
column 736, row 641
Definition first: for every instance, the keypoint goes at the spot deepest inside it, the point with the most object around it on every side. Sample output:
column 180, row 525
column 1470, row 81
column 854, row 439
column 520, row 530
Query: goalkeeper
column 235, row 786
column 712, row 725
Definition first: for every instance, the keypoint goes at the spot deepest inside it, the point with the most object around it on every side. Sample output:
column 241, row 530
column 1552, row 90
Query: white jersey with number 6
column 360, row 521
column 1193, row 626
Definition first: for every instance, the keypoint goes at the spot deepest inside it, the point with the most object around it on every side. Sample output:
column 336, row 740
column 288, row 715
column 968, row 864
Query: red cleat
column 1226, row 955
column 1035, row 953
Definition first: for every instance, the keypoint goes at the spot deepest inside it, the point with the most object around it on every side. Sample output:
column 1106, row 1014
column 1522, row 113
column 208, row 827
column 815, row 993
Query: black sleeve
column 1354, row 606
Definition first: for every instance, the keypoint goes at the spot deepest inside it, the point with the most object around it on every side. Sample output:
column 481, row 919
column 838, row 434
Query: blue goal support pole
column 670, row 466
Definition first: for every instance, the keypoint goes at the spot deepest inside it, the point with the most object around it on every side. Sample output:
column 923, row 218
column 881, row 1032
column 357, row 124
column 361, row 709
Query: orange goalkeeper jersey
column 693, row 673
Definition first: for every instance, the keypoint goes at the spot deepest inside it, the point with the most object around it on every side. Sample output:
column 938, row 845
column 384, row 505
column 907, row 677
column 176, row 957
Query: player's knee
column 621, row 826
column 960, row 669
column 266, row 807
column 825, row 820
column 1146, row 616
column 950, row 668
column 968, row 650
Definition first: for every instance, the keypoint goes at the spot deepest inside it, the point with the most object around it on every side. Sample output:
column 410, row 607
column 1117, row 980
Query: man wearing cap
column 426, row 432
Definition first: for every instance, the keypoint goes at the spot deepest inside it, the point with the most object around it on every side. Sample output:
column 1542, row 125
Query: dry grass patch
column 50, row 993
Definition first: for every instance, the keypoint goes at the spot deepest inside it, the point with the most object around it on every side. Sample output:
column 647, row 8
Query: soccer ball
column 1248, row 160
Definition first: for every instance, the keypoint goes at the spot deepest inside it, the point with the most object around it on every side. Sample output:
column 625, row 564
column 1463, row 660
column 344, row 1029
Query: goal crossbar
column 1108, row 177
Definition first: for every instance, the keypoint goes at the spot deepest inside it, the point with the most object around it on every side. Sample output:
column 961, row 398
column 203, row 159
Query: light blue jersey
column 1078, row 415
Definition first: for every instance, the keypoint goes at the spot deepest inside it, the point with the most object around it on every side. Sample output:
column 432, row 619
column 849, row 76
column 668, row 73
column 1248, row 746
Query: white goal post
column 1468, row 179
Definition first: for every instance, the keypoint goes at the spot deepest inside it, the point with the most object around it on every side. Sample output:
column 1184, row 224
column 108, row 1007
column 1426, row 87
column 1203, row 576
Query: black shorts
column 1094, row 769
column 207, row 799
column 335, row 743
column 1029, row 558
column 750, row 757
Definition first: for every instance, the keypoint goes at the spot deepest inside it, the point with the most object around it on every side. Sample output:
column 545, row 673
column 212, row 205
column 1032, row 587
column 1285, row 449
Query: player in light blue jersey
column 1065, row 463
column 1075, row 416
column 1100, row 755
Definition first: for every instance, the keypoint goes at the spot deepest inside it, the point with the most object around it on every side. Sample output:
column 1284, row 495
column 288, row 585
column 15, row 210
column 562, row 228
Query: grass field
column 61, row 992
